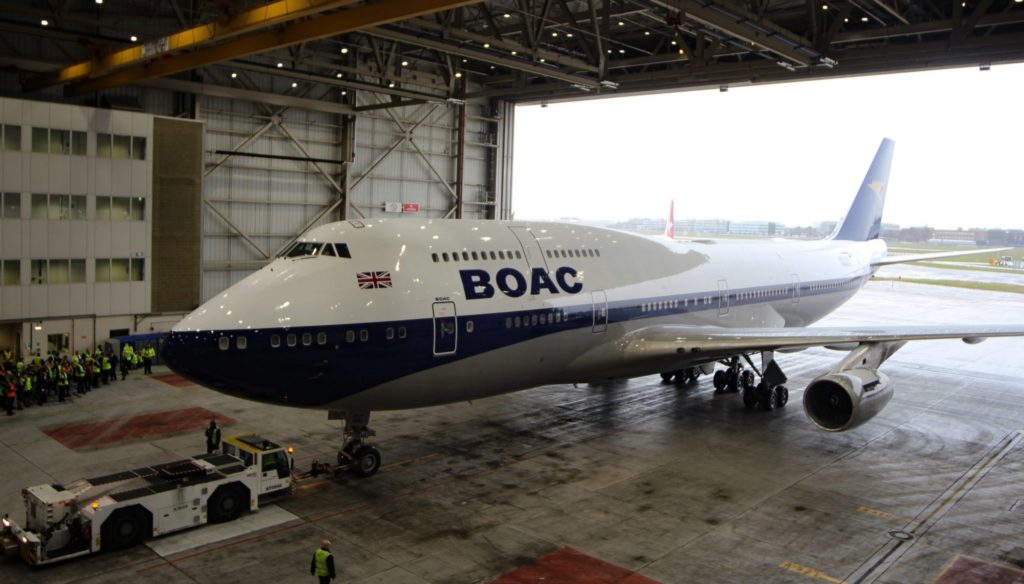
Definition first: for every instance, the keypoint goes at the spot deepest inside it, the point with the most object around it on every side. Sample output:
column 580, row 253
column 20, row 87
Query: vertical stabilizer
column 864, row 219
column 670, row 227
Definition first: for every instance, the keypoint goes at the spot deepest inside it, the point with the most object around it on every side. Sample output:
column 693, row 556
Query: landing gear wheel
column 367, row 459
column 227, row 504
column 720, row 380
column 750, row 397
column 768, row 399
column 692, row 374
column 733, row 381
column 781, row 396
column 666, row 376
column 126, row 528
column 746, row 378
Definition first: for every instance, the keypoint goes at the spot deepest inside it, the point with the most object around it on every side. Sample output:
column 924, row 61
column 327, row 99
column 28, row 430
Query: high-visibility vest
column 106, row 363
column 320, row 559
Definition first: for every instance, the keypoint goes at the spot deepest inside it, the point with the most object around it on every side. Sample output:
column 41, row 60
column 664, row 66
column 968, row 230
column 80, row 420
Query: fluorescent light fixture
column 134, row 38
column 405, row 63
column 44, row 22
column 339, row 75
column 234, row 75
column 280, row 64
column 458, row 74
column 344, row 50
column 295, row 84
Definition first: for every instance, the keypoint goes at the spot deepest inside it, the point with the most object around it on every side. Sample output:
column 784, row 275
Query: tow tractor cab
column 273, row 463
column 123, row 509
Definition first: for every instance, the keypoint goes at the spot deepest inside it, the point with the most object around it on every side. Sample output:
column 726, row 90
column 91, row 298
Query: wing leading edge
column 663, row 341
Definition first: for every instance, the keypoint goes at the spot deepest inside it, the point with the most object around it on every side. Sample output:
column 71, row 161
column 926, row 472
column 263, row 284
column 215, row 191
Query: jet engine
column 836, row 402
column 854, row 391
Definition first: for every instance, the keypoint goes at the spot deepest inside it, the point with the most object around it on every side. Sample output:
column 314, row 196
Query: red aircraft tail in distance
column 670, row 227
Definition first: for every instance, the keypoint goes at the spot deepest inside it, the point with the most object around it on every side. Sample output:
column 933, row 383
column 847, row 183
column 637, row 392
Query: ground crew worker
column 81, row 384
column 212, row 437
column 148, row 353
column 27, row 384
column 127, row 356
column 105, row 368
column 63, row 385
column 19, row 367
column 8, row 356
column 322, row 565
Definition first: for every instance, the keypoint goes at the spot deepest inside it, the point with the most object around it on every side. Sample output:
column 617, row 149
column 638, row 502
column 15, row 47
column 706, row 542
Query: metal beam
column 215, row 31
column 747, row 27
column 328, row 25
column 333, row 80
column 250, row 95
column 483, row 56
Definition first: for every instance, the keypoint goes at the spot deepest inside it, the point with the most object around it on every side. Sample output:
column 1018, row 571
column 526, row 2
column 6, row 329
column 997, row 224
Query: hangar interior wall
column 271, row 173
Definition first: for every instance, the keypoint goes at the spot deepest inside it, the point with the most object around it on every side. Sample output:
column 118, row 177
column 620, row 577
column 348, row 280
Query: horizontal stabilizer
column 920, row 257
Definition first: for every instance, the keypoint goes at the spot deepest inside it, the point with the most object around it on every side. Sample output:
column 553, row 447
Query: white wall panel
column 11, row 181
column 58, row 300
column 10, row 238
column 59, row 244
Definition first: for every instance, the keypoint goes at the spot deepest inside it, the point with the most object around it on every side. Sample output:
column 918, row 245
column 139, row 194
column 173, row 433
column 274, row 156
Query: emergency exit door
column 446, row 328
column 600, row 300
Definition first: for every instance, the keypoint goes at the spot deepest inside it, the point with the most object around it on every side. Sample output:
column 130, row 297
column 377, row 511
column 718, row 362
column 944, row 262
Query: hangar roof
column 411, row 51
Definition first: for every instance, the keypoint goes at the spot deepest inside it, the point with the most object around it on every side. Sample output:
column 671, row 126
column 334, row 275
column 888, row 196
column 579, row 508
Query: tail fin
column 864, row 219
column 670, row 227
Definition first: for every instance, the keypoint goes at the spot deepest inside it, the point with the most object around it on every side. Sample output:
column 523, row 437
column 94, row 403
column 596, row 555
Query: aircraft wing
column 919, row 257
column 665, row 341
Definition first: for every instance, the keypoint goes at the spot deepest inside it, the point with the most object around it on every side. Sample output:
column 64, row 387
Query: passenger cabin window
column 275, row 341
column 321, row 338
column 307, row 339
column 223, row 343
column 241, row 343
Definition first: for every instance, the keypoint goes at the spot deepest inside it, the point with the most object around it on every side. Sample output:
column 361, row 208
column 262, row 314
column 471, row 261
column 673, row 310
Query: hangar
column 154, row 153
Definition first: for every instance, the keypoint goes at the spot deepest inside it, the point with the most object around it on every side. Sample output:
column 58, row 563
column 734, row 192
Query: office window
column 102, row 208
column 138, row 148
column 122, row 148
column 78, row 143
column 40, row 140
column 12, row 137
column 76, row 210
column 103, row 143
column 11, row 206
column 138, row 269
column 102, row 270
column 77, row 274
column 11, row 272
column 120, row 208
column 60, row 141
column 38, row 206
column 138, row 211
column 59, row 208
column 39, row 272
column 58, row 272
column 119, row 270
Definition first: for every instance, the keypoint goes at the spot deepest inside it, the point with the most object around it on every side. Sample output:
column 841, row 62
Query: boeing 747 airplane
column 387, row 314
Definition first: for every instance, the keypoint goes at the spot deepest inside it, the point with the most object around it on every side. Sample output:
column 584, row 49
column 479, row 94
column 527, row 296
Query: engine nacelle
column 841, row 401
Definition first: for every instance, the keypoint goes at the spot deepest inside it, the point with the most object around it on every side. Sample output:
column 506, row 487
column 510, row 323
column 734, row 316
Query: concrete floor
column 663, row 483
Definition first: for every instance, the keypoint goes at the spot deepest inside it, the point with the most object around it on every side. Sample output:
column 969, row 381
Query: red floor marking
column 966, row 570
column 172, row 379
column 117, row 430
column 568, row 565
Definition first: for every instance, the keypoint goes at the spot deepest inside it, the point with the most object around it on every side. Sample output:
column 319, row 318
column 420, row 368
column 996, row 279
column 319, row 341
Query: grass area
column 903, row 247
column 992, row 286
column 946, row 266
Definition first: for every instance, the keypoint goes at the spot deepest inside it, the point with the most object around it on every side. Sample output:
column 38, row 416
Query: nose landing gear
column 356, row 454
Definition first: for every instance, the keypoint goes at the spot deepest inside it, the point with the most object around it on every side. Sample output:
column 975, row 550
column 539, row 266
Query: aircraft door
column 531, row 247
column 723, row 298
column 446, row 328
column 600, row 300
column 795, row 293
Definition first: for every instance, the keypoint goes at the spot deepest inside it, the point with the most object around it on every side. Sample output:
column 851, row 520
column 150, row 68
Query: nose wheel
column 356, row 454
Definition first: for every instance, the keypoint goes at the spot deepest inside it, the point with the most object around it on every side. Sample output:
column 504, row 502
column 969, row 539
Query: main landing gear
column 767, row 394
column 356, row 454
column 682, row 376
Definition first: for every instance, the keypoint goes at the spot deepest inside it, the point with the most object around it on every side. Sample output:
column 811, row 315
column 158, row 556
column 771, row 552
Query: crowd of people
column 37, row 379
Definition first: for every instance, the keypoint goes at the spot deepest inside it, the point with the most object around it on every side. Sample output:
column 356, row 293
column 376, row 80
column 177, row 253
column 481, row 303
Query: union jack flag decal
column 373, row 280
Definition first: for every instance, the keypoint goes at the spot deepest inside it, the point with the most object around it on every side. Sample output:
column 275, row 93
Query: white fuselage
column 426, row 312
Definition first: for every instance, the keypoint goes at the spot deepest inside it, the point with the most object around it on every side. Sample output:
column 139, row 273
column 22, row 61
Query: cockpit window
column 328, row 250
column 304, row 248
column 342, row 250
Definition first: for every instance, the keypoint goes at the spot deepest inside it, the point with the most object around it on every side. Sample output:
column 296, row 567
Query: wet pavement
column 635, row 481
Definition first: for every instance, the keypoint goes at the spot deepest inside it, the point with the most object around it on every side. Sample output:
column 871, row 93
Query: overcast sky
column 793, row 152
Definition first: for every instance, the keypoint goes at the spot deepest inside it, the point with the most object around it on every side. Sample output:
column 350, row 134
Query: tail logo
column 876, row 186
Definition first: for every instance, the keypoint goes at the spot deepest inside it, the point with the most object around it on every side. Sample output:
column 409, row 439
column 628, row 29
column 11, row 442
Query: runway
column 630, row 482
